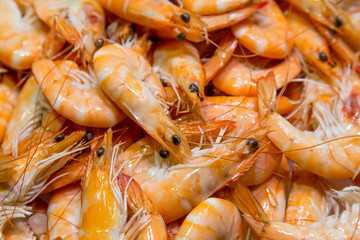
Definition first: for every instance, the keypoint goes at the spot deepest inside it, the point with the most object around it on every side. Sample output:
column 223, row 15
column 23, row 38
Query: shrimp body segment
column 236, row 78
column 75, row 94
column 212, row 219
column 161, row 15
column 313, row 151
column 8, row 99
column 205, row 7
column 64, row 213
column 21, row 40
column 122, row 73
column 181, row 61
column 266, row 32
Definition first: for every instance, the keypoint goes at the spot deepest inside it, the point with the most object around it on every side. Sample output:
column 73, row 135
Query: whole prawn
column 124, row 82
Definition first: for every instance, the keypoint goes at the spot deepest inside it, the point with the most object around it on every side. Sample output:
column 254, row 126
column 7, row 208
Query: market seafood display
column 159, row 119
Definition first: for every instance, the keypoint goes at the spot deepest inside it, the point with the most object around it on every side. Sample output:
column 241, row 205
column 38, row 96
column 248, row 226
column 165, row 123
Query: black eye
column 89, row 136
column 59, row 138
column 176, row 140
column 338, row 22
column 181, row 37
column 164, row 153
column 185, row 17
column 100, row 151
column 193, row 88
column 99, row 42
column 252, row 143
column 323, row 57
column 332, row 31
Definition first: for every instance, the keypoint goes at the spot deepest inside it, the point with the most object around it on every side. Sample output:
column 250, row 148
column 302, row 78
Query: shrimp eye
column 323, row 57
column 181, row 37
column 99, row 42
column 338, row 22
column 185, row 17
column 193, row 88
column 332, row 31
column 164, row 153
column 59, row 138
column 100, row 151
column 89, row 136
column 252, row 143
column 176, row 140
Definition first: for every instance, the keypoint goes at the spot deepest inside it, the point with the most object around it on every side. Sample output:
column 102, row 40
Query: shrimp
column 8, row 99
column 123, row 81
column 21, row 38
column 213, row 218
column 33, row 169
column 75, row 94
column 312, row 45
column 335, row 226
column 219, row 21
column 138, row 201
column 306, row 201
column 64, row 213
column 236, row 78
column 103, row 208
column 168, row 19
column 25, row 118
column 213, row 7
column 80, row 22
column 180, row 61
column 330, row 153
column 175, row 190
column 266, row 33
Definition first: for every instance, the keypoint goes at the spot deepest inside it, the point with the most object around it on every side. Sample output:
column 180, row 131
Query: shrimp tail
column 267, row 93
column 245, row 201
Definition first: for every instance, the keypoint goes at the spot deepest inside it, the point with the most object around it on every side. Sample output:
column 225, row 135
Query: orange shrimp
column 213, row 218
column 22, row 37
column 32, row 170
column 8, row 99
column 18, row 229
column 103, row 207
column 220, row 21
column 325, row 152
column 80, row 22
column 306, row 202
column 168, row 19
column 335, row 226
column 26, row 117
column 64, row 213
column 175, row 190
column 180, row 61
column 203, row 7
column 75, row 94
column 237, row 79
column 266, row 33
column 312, row 45
column 124, row 82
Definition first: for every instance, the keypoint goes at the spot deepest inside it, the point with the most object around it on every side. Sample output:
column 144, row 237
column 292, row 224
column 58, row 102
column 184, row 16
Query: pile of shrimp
column 181, row 119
